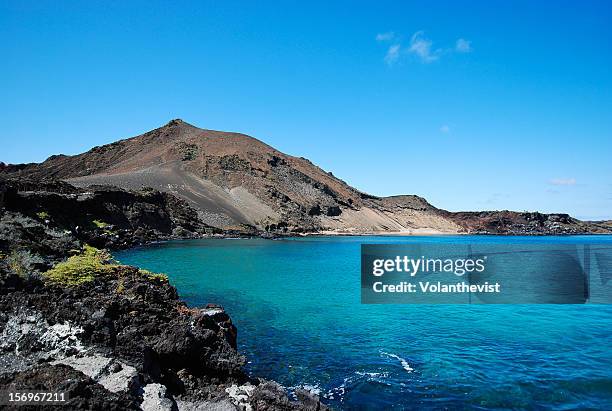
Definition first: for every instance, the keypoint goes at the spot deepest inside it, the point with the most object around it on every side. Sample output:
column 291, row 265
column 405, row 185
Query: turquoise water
column 296, row 303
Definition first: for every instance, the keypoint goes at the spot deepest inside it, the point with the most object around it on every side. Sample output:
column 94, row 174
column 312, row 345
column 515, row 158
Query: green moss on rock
column 153, row 276
column 100, row 224
column 91, row 263
column 81, row 268
column 42, row 215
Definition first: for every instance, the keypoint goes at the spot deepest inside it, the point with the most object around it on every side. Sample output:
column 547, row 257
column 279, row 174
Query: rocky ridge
column 526, row 223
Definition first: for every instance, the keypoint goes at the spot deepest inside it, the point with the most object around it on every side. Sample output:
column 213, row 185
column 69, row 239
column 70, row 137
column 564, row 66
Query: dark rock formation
column 49, row 218
column 138, row 319
column 81, row 392
column 125, row 331
column 526, row 223
column 123, row 339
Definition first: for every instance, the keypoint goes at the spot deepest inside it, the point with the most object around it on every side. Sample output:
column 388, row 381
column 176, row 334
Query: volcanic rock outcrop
column 111, row 336
column 125, row 341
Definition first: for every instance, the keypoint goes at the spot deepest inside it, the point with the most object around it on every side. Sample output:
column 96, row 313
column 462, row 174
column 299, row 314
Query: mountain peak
column 176, row 122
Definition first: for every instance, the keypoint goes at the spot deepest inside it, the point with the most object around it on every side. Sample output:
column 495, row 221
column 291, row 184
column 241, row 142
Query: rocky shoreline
column 113, row 336
column 117, row 337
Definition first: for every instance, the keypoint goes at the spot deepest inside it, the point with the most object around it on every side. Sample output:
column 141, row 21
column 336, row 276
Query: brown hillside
column 238, row 182
column 234, row 180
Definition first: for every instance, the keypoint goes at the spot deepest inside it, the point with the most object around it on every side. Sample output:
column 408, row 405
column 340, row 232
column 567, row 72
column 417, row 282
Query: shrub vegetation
column 100, row 224
column 153, row 276
column 88, row 265
column 43, row 215
column 81, row 268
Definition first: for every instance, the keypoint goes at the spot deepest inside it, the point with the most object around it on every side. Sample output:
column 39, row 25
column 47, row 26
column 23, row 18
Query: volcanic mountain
column 238, row 182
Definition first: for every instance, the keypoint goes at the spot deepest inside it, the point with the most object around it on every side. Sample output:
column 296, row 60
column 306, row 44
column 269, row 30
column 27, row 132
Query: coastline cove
column 294, row 332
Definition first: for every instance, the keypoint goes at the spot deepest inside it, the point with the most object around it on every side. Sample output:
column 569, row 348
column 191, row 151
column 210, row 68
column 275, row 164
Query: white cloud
column 385, row 36
column 563, row 181
column 421, row 47
column 445, row 129
column 392, row 54
column 463, row 46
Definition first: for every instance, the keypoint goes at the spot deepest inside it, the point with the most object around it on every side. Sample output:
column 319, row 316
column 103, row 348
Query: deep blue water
column 296, row 303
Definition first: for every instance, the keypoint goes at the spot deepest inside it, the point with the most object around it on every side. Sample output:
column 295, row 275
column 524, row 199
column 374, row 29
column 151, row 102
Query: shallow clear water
column 296, row 303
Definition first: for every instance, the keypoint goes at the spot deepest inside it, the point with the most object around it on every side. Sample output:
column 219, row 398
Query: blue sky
column 490, row 105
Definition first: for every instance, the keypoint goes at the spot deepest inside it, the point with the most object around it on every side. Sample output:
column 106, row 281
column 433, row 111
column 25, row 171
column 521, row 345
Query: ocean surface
column 296, row 303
